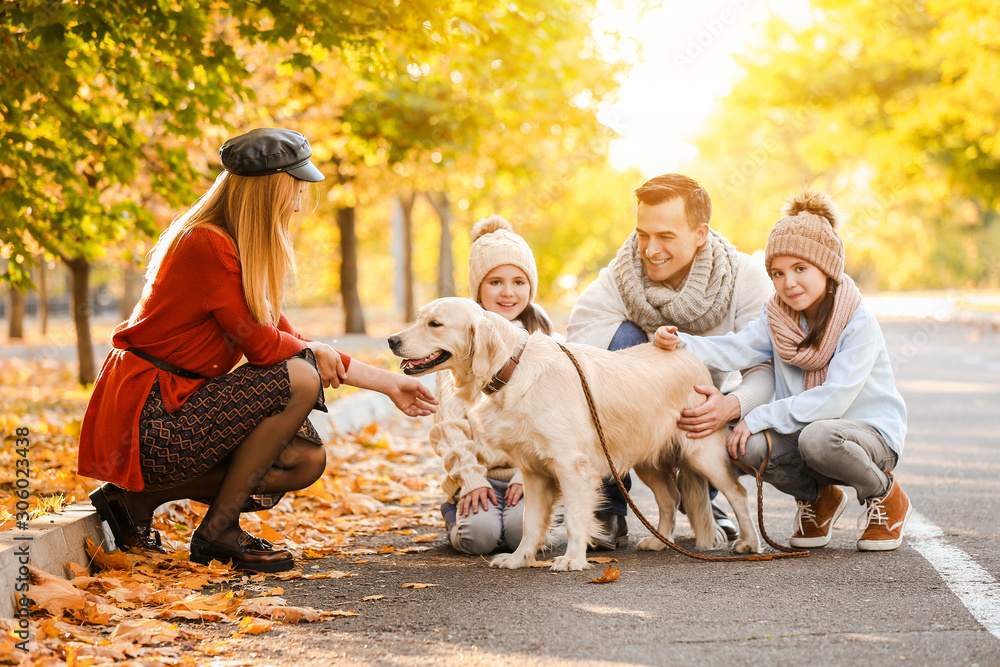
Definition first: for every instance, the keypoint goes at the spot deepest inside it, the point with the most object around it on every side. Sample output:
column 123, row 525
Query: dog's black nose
column 393, row 342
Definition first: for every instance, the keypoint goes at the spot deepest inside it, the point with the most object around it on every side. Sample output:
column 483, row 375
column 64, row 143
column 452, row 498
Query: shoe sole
column 822, row 541
column 886, row 545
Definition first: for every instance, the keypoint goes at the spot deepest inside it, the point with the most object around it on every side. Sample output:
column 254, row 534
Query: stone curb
column 49, row 543
column 55, row 539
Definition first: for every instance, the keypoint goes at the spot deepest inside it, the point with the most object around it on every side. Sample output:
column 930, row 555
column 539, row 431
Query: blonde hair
column 255, row 212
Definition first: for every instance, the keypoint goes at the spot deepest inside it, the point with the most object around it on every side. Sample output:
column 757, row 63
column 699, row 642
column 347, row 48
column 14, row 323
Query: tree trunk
column 446, row 261
column 15, row 330
column 409, row 310
column 354, row 318
column 80, row 273
column 132, row 290
column 43, row 294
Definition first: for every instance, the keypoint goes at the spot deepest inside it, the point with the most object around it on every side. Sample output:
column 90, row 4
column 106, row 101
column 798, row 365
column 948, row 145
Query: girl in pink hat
column 838, row 419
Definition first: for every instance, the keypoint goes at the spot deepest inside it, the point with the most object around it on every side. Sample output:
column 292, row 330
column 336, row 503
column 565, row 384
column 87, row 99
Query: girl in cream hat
column 483, row 510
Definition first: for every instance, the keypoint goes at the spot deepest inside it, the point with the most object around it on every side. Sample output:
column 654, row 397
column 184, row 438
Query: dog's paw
column 568, row 564
column 650, row 544
column 742, row 546
column 716, row 539
column 512, row 561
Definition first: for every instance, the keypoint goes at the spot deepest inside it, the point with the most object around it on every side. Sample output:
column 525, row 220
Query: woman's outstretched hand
column 412, row 397
column 666, row 338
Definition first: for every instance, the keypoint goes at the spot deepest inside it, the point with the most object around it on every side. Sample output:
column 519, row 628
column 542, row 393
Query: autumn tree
column 89, row 97
column 892, row 106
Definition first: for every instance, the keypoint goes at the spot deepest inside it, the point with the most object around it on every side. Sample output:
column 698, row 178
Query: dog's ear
column 488, row 351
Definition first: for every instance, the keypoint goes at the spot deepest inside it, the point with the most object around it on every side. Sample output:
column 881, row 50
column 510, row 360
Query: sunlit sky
column 684, row 66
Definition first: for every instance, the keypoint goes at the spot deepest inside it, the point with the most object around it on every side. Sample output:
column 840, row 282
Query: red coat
column 196, row 317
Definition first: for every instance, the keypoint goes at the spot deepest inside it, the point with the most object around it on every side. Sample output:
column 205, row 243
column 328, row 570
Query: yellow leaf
column 332, row 574
column 610, row 574
column 116, row 560
column 275, row 608
column 602, row 560
column 425, row 538
column 270, row 534
column 419, row 585
column 372, row 598
column 276, row 591
column 541, row 563
column 54, row 594
column 255, row 626
column 359, row 503
column 77, row 570
column 72, row 429
column 145, row 631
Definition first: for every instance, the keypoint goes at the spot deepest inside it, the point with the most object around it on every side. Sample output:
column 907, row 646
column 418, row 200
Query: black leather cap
column 270, row 150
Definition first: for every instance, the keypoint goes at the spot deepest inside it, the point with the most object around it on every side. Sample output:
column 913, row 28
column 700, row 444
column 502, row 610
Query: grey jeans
column 487, row 531
column 831, row 451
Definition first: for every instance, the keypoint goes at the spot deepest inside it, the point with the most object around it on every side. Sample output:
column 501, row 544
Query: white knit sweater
column 600, row 310
column 467, row 462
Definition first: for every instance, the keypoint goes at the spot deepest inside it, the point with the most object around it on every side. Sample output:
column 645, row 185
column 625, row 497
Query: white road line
column 974, row 586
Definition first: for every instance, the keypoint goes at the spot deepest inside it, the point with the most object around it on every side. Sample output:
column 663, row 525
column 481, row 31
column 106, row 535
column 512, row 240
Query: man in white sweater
column 675, row 270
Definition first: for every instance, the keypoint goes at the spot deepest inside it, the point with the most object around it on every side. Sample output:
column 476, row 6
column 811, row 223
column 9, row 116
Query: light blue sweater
column 859, row 382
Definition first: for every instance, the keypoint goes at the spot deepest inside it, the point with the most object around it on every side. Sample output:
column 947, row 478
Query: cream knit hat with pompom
column 494, row 244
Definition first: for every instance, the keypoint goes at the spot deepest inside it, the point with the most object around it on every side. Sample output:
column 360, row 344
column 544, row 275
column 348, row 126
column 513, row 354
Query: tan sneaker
column 886, row 517
column 814, row 521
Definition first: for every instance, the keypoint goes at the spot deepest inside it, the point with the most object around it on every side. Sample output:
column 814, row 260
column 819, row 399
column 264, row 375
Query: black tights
column 271, row 459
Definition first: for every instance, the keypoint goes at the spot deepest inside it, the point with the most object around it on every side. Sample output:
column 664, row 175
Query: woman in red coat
column 170, row 418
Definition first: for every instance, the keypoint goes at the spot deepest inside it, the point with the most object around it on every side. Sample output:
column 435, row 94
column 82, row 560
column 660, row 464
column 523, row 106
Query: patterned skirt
column 178, row 447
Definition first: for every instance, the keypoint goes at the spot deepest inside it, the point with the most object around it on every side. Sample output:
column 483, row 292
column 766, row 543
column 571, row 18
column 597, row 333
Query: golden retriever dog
column 541, row 419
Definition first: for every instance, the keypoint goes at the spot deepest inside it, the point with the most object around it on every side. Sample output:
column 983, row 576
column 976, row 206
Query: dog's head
column 457, row 335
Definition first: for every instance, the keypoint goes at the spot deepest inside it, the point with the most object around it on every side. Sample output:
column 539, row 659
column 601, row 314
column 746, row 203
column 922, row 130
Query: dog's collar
column 502, row 377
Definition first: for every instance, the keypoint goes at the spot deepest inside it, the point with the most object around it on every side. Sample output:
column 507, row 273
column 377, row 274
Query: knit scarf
column 787, row 333
column 703, row 298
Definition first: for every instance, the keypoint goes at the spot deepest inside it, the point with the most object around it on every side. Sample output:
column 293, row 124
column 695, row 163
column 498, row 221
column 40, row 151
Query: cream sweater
column 467, row 462
column 600, row 310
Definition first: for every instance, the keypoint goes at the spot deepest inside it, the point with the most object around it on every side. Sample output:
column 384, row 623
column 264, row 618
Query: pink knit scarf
column 787, row 333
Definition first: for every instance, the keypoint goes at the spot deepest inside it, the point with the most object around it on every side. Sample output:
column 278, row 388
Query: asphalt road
column 934, row 601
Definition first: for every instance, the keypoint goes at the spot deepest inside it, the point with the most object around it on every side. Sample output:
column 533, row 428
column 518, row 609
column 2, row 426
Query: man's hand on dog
column 714, row 413
column 710, row 416
column 472, row 500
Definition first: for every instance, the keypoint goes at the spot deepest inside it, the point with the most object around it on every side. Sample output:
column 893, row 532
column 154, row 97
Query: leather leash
column 787, row 552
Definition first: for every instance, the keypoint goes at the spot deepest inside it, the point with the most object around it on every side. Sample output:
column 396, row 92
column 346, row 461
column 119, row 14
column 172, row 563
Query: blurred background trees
column 428, row 116
column 893, row 106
